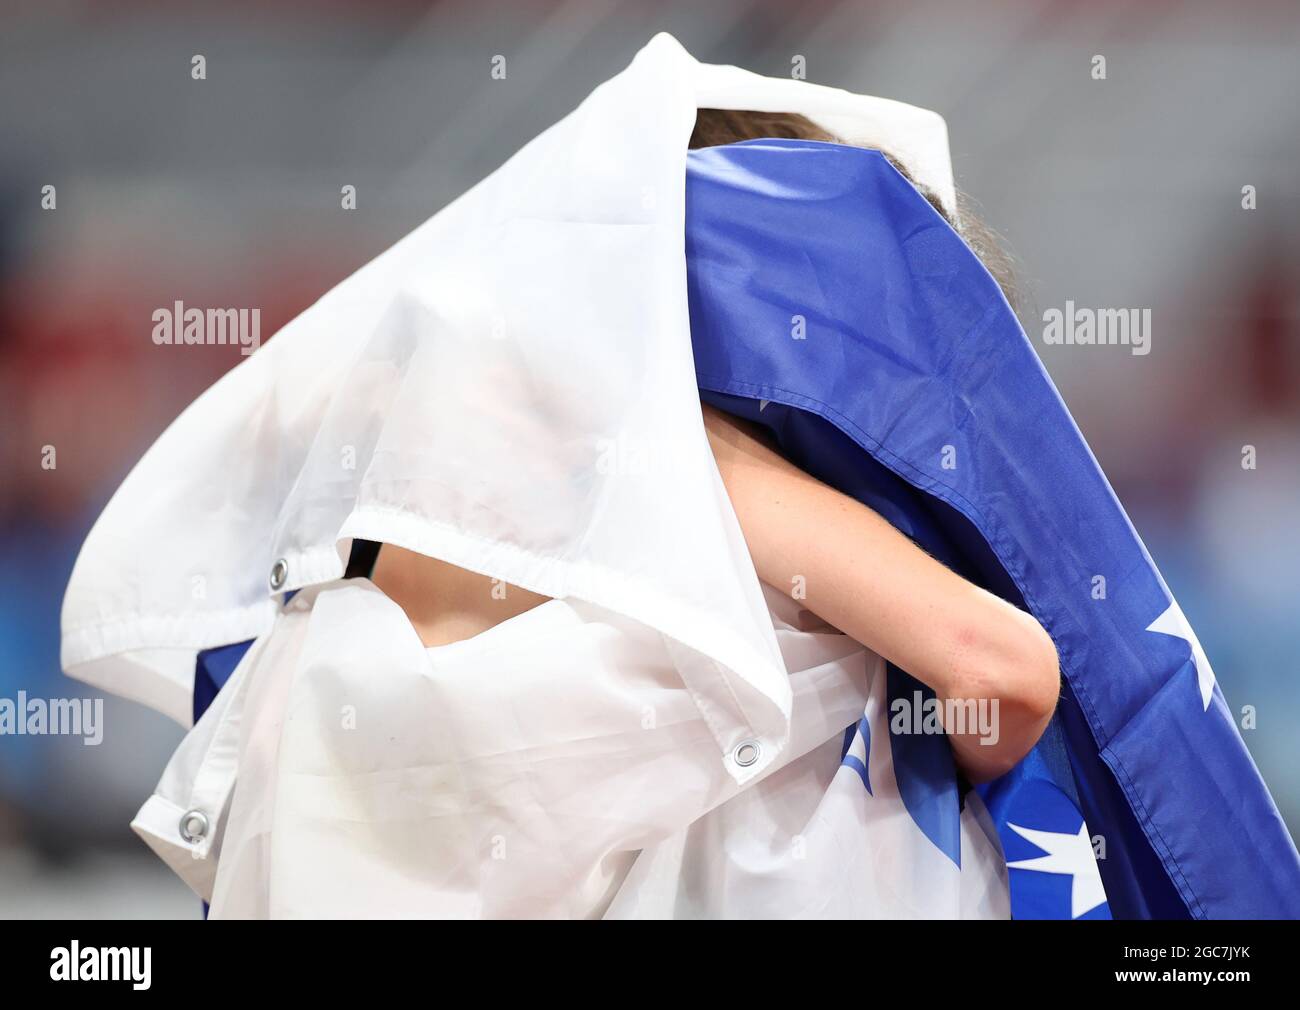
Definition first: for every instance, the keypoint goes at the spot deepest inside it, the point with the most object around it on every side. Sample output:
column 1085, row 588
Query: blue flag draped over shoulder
column 833, row 305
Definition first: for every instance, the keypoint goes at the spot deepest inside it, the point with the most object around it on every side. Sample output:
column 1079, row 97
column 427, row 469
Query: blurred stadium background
column 1124, row 192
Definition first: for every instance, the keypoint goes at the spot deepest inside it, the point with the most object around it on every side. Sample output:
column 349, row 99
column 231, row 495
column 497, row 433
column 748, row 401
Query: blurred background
column 1123, row 192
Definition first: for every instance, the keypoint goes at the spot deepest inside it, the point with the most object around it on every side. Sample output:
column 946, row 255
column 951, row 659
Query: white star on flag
column 1068, row 854
column 1174, row 622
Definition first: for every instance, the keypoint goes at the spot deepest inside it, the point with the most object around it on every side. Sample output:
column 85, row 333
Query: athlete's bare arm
column 870, row 581
column 446, row 603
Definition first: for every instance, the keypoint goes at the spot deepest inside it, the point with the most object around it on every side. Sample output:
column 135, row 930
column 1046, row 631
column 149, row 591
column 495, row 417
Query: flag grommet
column 747, row 753
column 194, row 826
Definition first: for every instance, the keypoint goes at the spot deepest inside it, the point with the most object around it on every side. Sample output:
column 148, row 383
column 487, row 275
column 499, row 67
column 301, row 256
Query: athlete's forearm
column 870, row 581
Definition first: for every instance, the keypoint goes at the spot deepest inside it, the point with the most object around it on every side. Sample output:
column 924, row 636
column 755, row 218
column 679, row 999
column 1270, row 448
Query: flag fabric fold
column 833, row 305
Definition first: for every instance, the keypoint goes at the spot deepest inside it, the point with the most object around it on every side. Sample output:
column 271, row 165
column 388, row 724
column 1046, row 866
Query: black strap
column 361, row 562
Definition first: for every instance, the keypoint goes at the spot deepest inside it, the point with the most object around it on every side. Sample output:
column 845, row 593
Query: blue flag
column 833, row 305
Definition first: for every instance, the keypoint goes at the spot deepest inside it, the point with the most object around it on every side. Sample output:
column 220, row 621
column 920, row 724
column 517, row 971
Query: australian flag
column 832, row 304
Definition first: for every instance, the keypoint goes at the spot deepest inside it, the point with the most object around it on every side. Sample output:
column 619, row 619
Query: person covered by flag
column 498, row 621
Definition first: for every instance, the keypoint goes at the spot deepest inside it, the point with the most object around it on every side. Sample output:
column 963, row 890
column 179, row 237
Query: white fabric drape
column 509, row 388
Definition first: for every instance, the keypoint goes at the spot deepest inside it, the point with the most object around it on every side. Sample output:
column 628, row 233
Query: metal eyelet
column 194, row 826
column 747, row 753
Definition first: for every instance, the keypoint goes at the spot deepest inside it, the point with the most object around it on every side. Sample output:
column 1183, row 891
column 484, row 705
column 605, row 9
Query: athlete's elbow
column 1034, row 687
column 1016, row 678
